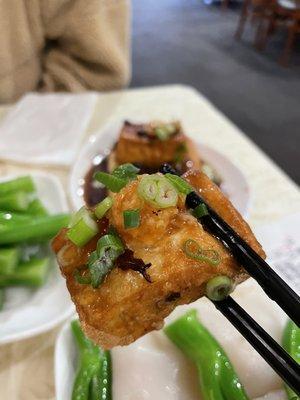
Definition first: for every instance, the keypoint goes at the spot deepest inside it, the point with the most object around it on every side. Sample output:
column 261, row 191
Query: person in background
column 63, row 45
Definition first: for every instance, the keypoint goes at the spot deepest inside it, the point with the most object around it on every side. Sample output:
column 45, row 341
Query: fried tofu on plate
column 139, row 253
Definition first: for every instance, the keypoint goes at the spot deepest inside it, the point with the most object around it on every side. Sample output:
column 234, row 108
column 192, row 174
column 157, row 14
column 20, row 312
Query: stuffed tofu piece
column 150, row 145
column 129, row 262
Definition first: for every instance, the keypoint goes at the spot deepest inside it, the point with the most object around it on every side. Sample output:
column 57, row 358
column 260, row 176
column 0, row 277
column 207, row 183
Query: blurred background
column 257, row 87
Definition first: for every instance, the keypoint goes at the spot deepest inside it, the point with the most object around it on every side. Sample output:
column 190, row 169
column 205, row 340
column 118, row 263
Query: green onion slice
column 164, row 132
column 78, row 215
column 101, row 261
column 81, row 277
column 200, row 210
column 83, row 230
column 126, row 171
column 157, row 190
column 109, row 241
column 112, row 182
column 102, row 207
column 219, row 287
column 180, row 184
column 192, row 249
column 131, row 218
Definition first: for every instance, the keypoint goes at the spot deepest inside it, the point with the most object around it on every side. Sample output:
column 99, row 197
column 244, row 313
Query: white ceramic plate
column 234, row 183
column 153, row 368
column 28, row 312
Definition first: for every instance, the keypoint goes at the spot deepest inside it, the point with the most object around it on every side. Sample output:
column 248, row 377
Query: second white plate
column 28, row 312
column 234, row 182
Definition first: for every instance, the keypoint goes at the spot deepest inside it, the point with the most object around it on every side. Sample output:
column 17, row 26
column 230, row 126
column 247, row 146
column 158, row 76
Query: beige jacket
column 63, row 45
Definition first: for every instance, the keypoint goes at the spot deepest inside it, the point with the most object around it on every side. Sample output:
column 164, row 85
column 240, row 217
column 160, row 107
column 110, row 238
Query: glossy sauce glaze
column 92, row 192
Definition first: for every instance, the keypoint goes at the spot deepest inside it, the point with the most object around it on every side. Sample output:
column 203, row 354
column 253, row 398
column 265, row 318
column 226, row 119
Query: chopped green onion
column 100, row 267
column 83, row 230
column 109, row 241
column 219, row 287
column 80, row 278
column 101, row 261
column 112, row 182
column 78, row 215
column 200, row 210
column 180, row 184
column 194, row 251
column 102, row 207
column 126, row 171
column 164, row 132
column 16, row 201
column 157, row 190
column 180, row 152
column 23, row 183
column 131, row 218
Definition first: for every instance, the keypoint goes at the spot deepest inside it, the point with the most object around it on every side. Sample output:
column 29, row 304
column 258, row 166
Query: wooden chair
column 285, row 14
column 255, row 10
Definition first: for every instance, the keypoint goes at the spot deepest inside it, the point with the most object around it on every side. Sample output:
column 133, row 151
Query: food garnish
column 132, row 218
column 217, row 377
column 193, row 250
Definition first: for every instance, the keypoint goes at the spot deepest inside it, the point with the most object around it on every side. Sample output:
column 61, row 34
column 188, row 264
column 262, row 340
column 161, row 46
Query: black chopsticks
column 263, row 343
column 267, row 278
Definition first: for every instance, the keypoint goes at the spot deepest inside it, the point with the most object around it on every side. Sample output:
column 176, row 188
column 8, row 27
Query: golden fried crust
column 150, row 151
column 222, row 205
column 126, row 306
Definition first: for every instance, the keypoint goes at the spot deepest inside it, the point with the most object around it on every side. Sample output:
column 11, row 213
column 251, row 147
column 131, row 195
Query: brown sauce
column 127, row 261
column 93, row 194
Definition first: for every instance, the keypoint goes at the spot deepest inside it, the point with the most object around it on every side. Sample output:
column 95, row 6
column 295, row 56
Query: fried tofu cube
column 139, row 144
column 126, row 305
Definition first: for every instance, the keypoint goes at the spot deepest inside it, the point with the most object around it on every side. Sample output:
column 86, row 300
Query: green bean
column 8, row 217
column 101, row 383
column 37, row 228
column 93, row 379
column 31, row 273
column 218, row 380
column 2, row 298
column 9, row 258
column 16, row 201
column 89, row 363
column 36, row 207
column 24, row 183
column 291, row 343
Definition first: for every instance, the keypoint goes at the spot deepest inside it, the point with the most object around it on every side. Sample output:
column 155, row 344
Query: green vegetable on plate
column 217, row 377
column 22, row 183
column 31, row 273
column 9, row 258
column 16, row 201
column 291, row 344
column 93, row 379
column 34, row 229
column 2, row 298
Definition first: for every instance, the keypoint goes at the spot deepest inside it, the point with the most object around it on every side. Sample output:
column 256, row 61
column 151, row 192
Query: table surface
column 26, row 367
